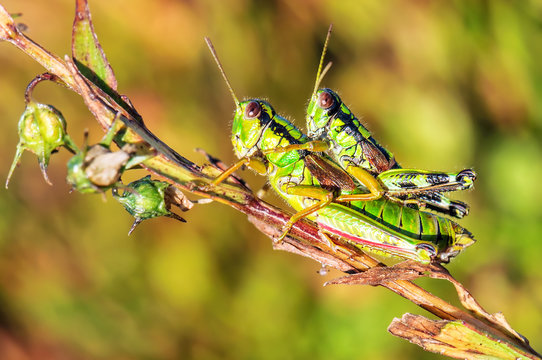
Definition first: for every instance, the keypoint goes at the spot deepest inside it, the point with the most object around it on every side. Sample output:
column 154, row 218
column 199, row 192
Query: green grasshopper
column 272, row 146
column 353, row 147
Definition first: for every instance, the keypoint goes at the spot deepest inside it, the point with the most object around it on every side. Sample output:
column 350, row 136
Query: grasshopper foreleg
column 322, row 196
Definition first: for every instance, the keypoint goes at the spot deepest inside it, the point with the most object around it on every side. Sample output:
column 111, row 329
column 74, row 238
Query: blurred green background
column 444, row 85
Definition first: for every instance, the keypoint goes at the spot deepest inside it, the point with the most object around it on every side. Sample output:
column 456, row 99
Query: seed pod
column 145, row 199
column 42, row 129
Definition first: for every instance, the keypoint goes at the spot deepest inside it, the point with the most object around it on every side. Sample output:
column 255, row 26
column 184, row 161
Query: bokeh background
column 444, row 85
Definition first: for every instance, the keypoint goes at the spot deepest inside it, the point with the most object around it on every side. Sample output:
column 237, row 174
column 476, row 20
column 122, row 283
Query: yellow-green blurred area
column 445, row 85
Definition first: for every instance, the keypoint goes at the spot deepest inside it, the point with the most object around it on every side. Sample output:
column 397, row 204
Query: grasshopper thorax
column 250, row 120
column 322, row 108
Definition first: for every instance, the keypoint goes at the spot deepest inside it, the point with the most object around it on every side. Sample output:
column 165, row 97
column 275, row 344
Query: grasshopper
column 353, row 147
column 271, row 145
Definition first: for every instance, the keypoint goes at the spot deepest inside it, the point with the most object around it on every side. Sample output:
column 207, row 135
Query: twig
column 305, row 239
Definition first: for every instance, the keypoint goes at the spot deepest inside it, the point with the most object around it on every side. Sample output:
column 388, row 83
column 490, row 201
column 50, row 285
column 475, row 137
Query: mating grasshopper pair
column 356, row 190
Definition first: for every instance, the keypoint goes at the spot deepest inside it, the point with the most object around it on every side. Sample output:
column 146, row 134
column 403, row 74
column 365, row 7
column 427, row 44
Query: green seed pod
column 42, row 129
column 76, row 176
column 145, row 199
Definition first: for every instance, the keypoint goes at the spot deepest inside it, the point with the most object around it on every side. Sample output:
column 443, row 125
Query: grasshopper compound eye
column 325, row 100
column 253, row 110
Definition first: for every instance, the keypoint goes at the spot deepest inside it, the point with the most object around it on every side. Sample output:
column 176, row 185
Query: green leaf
column 87, row 51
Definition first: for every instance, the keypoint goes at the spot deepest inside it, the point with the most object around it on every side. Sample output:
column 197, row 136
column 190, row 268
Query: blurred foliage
column 444, row 85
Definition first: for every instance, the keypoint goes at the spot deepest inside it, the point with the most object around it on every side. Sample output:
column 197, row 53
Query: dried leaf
column 174, row 196
column 379, row 276
column 437, row 271
column 411, row 270
column 105, row 169
column 455, row 339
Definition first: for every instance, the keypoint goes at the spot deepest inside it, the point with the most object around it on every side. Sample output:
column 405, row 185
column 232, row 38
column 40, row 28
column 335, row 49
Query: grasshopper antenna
column 320, row 74
column 324, row 72
column 221, row 68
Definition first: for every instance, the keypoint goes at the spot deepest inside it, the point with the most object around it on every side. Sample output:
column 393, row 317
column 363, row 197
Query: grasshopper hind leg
column 466, row 177
column 410, row 181
column 436, row 202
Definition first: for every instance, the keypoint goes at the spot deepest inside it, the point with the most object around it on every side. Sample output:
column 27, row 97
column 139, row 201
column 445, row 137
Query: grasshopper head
column 250, row 120
column 323, row 106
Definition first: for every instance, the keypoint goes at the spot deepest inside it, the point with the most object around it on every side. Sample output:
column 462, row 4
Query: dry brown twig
column 472, row 333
